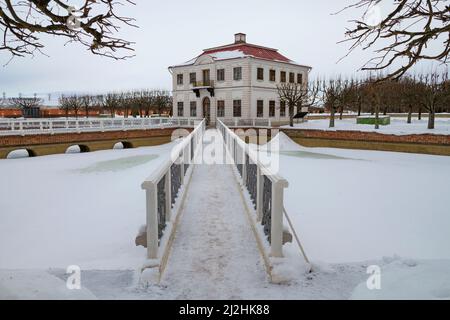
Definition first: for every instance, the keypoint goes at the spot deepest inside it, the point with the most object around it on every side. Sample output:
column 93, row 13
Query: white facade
column 207, row 96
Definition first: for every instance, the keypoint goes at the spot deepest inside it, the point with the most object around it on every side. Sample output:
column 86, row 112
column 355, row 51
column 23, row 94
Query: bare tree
column 408, row 95
column 94, row 25
column 332, row 95
column 87, row 102
column 432, row 91
column 64, row 104
column 298, row 95
column 376, row 92
column 161, row 100
column 111, row 101
column 404, row 34
column 77, row 104
column 25, row 103
column 126, row 102
column 71, row 103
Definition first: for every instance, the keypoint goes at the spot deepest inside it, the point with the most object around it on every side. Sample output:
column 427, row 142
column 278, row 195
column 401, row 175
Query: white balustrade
column 52, row 126
column 160, row 202
column 268, row 201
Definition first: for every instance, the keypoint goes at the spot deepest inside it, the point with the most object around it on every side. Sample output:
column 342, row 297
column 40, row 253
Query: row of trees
column 421, row 93
column 137, row 103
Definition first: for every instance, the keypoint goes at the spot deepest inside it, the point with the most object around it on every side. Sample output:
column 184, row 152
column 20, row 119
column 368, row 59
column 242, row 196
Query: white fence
column 263, row 185
column 165, row 190
column 52, row 126
column 239, row 122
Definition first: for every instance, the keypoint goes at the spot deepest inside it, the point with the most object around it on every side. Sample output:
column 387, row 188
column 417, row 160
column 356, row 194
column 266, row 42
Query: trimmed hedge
column 382, row 120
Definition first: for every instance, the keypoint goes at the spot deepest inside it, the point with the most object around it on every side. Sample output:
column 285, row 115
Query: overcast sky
column 174, row 31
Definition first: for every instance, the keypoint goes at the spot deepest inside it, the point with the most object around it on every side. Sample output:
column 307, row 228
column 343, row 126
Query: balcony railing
column 203, row 84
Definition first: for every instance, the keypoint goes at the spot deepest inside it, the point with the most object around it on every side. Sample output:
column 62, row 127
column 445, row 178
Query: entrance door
column 207, row 110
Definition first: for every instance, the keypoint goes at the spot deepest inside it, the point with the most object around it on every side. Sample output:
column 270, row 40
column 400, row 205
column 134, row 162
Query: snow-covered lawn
column 351, row 208
column 353, row 205
column 385, row 207
column 398, row 126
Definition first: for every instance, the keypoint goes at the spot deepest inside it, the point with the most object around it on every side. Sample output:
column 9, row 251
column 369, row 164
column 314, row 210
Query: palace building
column 234, row 81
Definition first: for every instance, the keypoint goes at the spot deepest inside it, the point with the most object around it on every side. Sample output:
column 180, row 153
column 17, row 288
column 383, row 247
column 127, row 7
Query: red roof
column 251, row 50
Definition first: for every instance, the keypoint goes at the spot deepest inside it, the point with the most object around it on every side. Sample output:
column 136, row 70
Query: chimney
column 240, row 38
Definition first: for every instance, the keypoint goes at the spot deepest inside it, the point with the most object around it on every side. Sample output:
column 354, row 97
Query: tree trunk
column 332, row 117
column 291, row 115
column 419, row 116
column 359, row 108
column 431, row 119
column 385, row 111
column 409, row 114
column 377, row 113
column 341, row 110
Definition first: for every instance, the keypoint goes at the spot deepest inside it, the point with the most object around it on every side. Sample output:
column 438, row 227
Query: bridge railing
column 251, row 122
column 165, row 190
column 52, row 126
column 264, row 186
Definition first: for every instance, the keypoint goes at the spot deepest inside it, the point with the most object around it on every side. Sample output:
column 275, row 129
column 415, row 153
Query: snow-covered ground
column 398, row 126
column 351, row 208
column 81, row 209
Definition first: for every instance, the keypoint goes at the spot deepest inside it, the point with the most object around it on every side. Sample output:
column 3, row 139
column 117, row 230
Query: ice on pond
column 118, row 164
column 315, row 155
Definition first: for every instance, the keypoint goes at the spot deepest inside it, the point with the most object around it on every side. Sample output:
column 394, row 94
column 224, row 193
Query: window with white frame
column 220, row 108
column 282, row 76
column 237, row 73
column 237, row 108
column 220, row 74
column 291, row 77
column 179, row 79
column 192, row 77
column 180, row 106
column 272, row 108
column 260, row 74
column 193, row 108
column 282, row 108
column 272, row 75
column 259, row 108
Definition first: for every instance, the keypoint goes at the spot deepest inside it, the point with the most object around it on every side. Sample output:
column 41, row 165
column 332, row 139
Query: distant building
column 237, row 80
column 31, row 112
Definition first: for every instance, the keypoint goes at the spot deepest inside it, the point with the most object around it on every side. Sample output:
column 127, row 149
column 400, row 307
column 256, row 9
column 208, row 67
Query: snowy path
column 214, row 254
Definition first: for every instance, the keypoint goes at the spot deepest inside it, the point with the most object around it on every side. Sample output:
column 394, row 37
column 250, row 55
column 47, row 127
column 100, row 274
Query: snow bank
column 281, row 142
column 410, row 279
column 17, row 154
column 37, row 285
column 398, row 126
